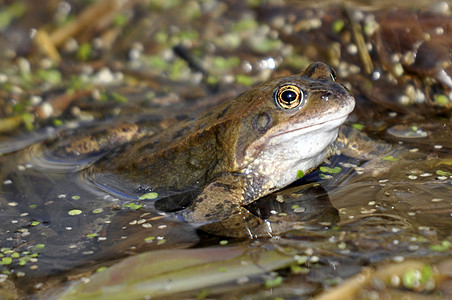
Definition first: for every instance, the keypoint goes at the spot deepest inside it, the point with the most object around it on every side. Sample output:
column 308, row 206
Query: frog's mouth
column 325, row 125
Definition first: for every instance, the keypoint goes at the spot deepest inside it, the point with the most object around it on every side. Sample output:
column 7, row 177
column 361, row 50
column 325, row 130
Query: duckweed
column 15, row 10
column 274, row 282
column 157, row 61
column 120, row 20
column 358, row 126
column 132, row 205
column 38, row 247
column 441, row 99
column 338, row 25
column 101, row 269
column 245, row 24
column 51, row 76
column 203, row 294
column 6, row 260
column 299, row 270
column 57, row 122
column 84, row 51
column 149, row 239
column 418, row 279
column 149, row 196
column 390, row 158
column 443, row 247
column 334, row 170
column 266, row 46
column 119, row 98
column 244, row 80
column 74, row 212
column 223, row 63
column 443, row 173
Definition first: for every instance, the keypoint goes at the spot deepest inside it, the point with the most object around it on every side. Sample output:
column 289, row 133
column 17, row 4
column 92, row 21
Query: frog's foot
column 242, row 225
column 218, row 210
column 239, row 223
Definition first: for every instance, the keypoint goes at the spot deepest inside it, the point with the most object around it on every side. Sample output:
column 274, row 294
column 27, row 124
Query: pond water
column 367, row 227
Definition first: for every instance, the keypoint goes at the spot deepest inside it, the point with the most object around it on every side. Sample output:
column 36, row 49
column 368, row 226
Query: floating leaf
column 101, row 269
column 6, row 260
column 390, row 158
column 338, row 25
column 441, row 100
column 133, row 206
column 334, row 170
column 300, row 174
column 271, row 283
column 74, row 212
column 149, row 196
column 443, row 173
column 39, row 247
column 358, row 126
column 244, row 80
column 50, row 76
column 10, row 12
column 118, row 97
column 414, row 278
column 223, row 63
column 444, row 246
column 149, row 239
column 84, row 51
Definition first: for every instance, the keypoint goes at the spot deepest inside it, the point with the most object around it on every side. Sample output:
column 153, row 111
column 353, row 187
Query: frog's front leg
column 218, row 210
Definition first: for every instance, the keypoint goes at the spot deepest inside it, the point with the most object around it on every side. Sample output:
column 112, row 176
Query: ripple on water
column 44, row 159
column 13, row 144
column 110, row 184
column 407, row 131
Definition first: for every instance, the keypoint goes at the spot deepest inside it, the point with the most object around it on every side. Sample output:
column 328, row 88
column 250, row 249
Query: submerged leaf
column 168, row 272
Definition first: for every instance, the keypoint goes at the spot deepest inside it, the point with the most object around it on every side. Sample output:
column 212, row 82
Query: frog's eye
column 289, row 96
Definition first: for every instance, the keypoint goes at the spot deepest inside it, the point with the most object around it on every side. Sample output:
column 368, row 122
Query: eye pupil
column 288, row 96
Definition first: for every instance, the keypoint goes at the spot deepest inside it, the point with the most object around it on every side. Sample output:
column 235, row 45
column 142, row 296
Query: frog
column 234, row 153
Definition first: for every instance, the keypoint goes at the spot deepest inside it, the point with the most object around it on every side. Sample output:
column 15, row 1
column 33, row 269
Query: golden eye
column 289, row 96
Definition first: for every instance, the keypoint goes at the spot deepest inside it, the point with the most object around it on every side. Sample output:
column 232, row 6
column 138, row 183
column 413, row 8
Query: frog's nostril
column 325, row 95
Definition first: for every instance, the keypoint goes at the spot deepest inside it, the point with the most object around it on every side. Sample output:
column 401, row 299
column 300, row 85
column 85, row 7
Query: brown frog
column 234, row 153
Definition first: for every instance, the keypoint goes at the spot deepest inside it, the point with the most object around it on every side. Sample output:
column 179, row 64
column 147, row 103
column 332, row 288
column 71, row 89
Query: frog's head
column 284, row 125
